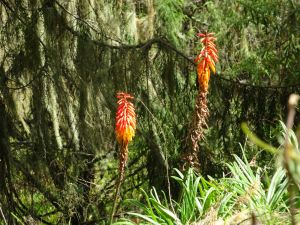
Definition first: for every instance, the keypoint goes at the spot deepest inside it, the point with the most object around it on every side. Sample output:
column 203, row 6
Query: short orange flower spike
column 125, row 119
column 207, row 59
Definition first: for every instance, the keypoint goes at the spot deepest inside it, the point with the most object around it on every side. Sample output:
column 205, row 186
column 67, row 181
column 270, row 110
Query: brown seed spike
column 123, row 160
column 195, row 133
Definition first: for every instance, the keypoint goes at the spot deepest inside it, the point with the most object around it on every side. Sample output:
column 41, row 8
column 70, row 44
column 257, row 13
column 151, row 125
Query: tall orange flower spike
column 125, row 130
column 125, row 119
column 206, row 59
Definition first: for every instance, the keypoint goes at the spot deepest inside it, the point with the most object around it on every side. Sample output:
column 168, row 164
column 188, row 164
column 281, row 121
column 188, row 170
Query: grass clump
column 245, row 195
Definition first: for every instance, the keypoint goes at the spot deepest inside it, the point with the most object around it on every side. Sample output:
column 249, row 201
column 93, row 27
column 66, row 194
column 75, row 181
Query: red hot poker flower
column 125, row 119
column 206, row 58
column 125, row 130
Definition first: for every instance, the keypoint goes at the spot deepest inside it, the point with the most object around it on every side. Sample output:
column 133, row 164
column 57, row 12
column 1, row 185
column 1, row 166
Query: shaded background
column 61, row 64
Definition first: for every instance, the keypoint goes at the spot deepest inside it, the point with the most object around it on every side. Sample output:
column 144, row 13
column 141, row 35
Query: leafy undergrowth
column 246, row 195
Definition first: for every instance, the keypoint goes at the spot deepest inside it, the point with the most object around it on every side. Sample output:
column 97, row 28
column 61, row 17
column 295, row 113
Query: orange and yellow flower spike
column 125, row 119
column 125, row 131
column 206, row 59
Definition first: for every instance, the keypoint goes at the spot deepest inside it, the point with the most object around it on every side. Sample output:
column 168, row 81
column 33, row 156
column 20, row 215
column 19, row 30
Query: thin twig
column 3, row 216
column 292, row 104
column 166, row 157
column 169, row 185
column 253, row 219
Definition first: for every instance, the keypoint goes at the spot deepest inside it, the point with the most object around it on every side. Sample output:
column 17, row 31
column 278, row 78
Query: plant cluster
column 247, row 192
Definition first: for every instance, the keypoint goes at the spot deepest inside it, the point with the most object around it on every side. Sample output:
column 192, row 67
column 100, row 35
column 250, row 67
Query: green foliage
column 258, row 40
column 197, row 196
column 170, row 20
column 249, row 190
column 245, row 191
